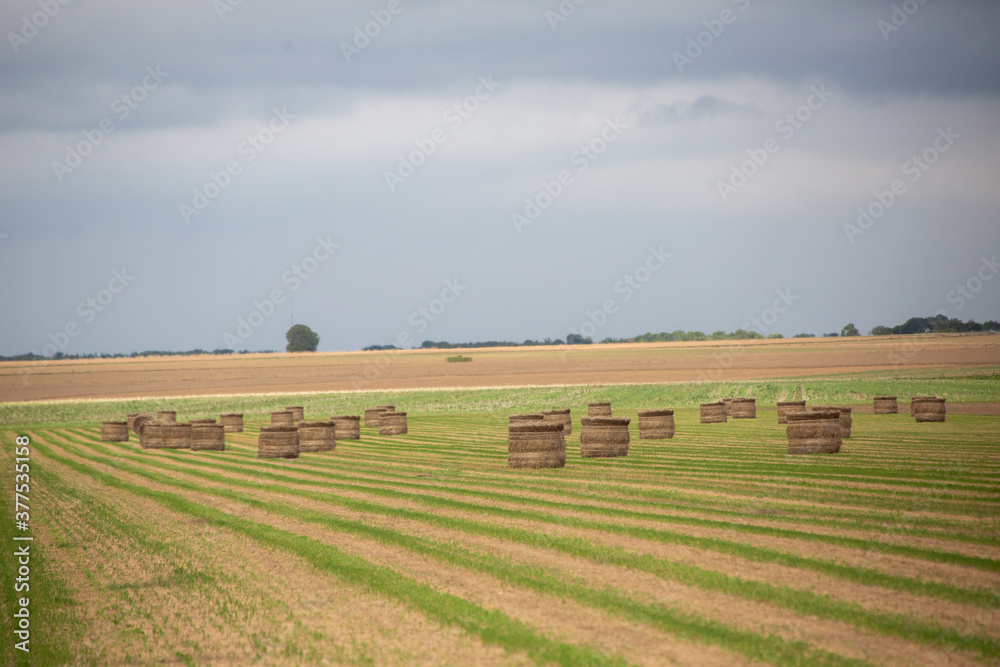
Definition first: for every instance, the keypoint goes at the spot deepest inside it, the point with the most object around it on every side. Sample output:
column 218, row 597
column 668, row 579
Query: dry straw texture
column 114, row 431
column 166, row 415
column 928, row 409
column 130, row 420
column 317, row 436
column 278, row 442
column 886, row 405
column 207, row 420
column 232, row 422
column 138, row 423
column 392, row 423
column 282, row 418
column 298, row 412
column 656, row 424
column 845, row 418
column 372, row 415
column 162, row 434
column 784, row 407
column 915, row 400
column 562, row 416
column 536, row 445
column 598, row 409
column 814, row 432
column 604, row 437
column 348, row 426
column 713, row 413
column 527, row 417
column 742, row 408
column 727, row 403
column 387, row 408
column 208, row 437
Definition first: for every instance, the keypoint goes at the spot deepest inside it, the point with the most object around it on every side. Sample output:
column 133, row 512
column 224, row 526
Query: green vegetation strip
column 449, row 609
column 803, row 602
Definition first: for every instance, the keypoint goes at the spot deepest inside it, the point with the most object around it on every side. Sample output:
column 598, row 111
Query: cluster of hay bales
column 656, row 424
column 728, row 402
column 604, row 437
column 927, row 409
column 373, row 415
column 886, row 405
column 298, row 412
column 844, row 417
column 713, row 413
column 784, row 407
column 814, row 431
column 563, row 417
column 742, row 408
column 535, row 443
column 165, row 434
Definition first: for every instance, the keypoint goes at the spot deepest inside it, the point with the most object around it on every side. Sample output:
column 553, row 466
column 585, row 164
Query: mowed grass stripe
column 864, row 576
column 802, row 602
column 684, row 626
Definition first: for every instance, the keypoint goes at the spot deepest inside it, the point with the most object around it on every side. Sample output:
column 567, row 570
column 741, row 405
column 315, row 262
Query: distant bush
column 458, row 359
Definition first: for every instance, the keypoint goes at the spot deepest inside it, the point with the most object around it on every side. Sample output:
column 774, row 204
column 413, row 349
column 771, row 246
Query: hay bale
column 845, row 418
column 207, row 420
column 915, row 399
column 278, row 441
column 348, row 426
column 138, row 423
column 728, row 403
column 784, row 407
column 130, row 418
column 562, row 416
column 742, row 408
column 298, row 412
column 928, row 409
column 164, row 434
column 114, row 431
column 392, row 423
column 713, row 413
column 604, row 437
column 656, row 424
column 387, row 408
column 813, row 432
column 232, row 422
column 528, row 417
column 886, row 405
column 598, row 409
column 372, row 415
column 283, row 418
column 166, row 415
column 206, row 436
column 536, row 444
column 317, row 436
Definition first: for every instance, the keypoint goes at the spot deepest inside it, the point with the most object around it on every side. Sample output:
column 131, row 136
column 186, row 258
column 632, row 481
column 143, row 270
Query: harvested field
column 714, row 547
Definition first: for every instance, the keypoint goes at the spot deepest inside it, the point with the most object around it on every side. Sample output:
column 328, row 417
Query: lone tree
column 849, row 330
column 301, row 339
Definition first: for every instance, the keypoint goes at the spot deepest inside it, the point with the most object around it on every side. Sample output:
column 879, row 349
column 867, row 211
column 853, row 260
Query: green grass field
column 714, row 547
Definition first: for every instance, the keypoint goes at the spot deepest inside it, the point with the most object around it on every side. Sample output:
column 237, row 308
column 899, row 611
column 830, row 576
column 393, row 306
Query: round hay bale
column 784, row 407
column 283, row 418
column 206, row 436
column 915, row 399
column 928, row 409
column 728, row 403
column 713, row 413
column 392, row 423
column 886, row 405
column 813, row 432
column 656, row 424
column 742, row 408
column 317, row 436
column 129, row 418
column 348, row 426
column 114, row 431
column 598, row 409
column 536, row 444
column 845, row 418
column 166, row 415
column 372, row 415
column 138, row 423
column 164, row 434
column 298, row 412
column 604, row 437
column 207, row 420
column 562, row 416
column 232, row 422
column 278, row 441
column 528, row 417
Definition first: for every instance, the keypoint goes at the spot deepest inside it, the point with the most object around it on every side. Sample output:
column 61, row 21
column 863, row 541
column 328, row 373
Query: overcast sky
column 184, row 174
